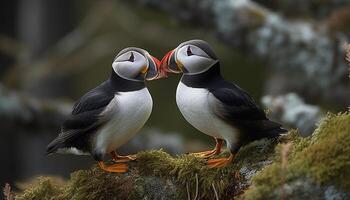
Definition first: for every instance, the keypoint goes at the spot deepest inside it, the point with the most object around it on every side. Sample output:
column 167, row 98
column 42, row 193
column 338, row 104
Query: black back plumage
column 235, row 106
column 84, row 119
column 86, row 116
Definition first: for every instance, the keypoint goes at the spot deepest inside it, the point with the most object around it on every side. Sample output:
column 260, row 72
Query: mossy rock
column 320, row 163
column 316, row 167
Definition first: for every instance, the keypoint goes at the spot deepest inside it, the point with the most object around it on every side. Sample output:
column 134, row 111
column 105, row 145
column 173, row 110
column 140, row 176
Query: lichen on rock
column 317, row 166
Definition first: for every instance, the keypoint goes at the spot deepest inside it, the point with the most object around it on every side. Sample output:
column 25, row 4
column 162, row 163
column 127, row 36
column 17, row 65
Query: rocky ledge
column 291, row 167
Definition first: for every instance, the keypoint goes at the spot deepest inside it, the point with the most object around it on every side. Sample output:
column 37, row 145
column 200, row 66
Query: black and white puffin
column 214, row 106
column 112, row 113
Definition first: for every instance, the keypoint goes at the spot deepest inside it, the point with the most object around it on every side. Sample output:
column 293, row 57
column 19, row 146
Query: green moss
column 324, row 158
column 327, row 158
column 183, row 170
column 44, row 188
column 95, row 184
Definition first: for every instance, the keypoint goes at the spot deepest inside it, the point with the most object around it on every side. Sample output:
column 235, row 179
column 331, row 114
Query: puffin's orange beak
column 165, row 60
column 161, row 73
column 155, row 60
column 168, row 63
column 154, row 71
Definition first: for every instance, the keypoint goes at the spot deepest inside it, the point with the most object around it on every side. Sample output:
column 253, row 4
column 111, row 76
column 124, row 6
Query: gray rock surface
column 291, row 110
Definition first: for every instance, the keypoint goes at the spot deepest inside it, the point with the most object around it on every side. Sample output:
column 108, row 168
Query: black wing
column 239, row 109
column 85, row 117
column 94, row 99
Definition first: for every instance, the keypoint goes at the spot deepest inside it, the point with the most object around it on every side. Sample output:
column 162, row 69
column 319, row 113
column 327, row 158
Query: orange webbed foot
column 117, row 168
column 210, row 153
column 220, row 162
column 204, row 154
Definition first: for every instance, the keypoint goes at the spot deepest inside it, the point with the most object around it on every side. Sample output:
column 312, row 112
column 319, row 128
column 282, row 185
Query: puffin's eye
column 189, row 52
column 132, row 58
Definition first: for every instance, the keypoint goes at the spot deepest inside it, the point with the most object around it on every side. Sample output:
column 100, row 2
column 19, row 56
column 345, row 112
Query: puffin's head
column 191, row 57
column 136, row 64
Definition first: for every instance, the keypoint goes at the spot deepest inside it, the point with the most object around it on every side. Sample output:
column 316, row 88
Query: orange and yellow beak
column 153, row 71
column 169, row 64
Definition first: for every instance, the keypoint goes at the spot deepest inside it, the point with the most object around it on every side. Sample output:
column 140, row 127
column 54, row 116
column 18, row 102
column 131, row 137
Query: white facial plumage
column 193, row 59
column 129, row 65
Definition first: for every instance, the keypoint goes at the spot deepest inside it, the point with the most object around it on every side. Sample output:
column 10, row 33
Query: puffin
column 214, row 106
column 111, row 114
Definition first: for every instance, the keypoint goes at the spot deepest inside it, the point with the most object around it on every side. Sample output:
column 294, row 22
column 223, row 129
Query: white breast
column 128, row 112
column 196, row 105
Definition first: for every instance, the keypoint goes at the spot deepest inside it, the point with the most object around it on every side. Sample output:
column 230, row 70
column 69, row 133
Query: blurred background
column 289, row 55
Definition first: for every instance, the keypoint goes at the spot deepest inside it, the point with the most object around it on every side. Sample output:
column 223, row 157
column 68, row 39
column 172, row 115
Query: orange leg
column 220, row 162
column 215, row 151
column 120, row 159
column 118, row 167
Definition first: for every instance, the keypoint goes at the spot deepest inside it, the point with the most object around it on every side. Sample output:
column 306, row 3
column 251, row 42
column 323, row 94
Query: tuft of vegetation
column 265, row 169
